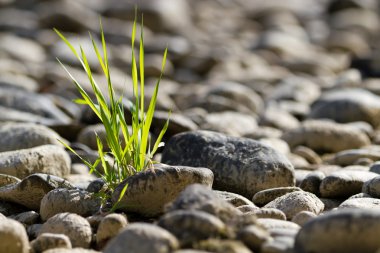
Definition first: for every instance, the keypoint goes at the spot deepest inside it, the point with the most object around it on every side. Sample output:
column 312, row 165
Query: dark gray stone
column 240, row 165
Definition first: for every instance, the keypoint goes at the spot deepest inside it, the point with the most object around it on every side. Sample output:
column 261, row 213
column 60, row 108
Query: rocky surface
column 273, row 141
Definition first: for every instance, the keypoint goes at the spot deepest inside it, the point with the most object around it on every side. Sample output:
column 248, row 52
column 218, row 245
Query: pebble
column 295, row 202
column 234, row 199
column 372, row 187
column 109, row 227
column 47, row 241
column 312, row 181
column 347, row 105
column 230, row 123
column 240, row 165
column 263, row 197
column 302, row 217
column 217, row 245
column 344, row 183
column 72, row 225
column 143, row 238
column 254, row 237
column 27, row 218
column 326, row 234
column 326, row 136
column 361, row 203
column 63, row 200
column 148, row 192
column 351, row 156
column 192, row 226
column 272, row 213
column 49, row 159
column 30, row 191
column 13, row 237
column 202, row 198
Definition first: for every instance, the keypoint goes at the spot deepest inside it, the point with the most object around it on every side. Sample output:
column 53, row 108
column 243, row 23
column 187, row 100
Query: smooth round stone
column 254, row 237
column 74, row 226
column 326, row 136
column 230, row 123
column 372, row 187
column 344, row 183
column 47, row 241
column 375, row 167
column 351, row 156
column 278, row 118
column 295, row 202
column 263, row 197
column 13, row 237
column 347, row 230
column 271, row 224
column 219, row 245
column 27, row 218
column 277, row 144
column 302, row 217
column 149, row 191
column 49, row 159
column 73, row 250
column 361, row 203
column 312, row 182
column 308, row 154
column 63, row 200
column 348, row 105
column 109, row 227
column 26, row 135
column 240, row 165
column 191, row 226
column 235, row 199
column 202, row 198
column 30, row 191
column 143, row 238
column 272, row 213
column 7, row 179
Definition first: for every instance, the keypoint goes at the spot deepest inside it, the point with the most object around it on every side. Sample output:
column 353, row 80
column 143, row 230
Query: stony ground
column 273, row 144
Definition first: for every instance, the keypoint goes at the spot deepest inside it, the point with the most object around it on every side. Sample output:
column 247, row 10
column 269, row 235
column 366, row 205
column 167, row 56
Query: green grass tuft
column 132, row 151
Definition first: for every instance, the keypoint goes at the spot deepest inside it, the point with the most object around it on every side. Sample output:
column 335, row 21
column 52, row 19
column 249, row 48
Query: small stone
column 351, row 156
column 7, row 179
column 201, row 198
column 272, row 213
column 361, row 203
column 247, row 208
column 27, row 218
column 74, row 250
column 74, row 226
column 347, row 105
column 17, row 136
column 63, row 200
column 308, row 154
column 230, row 123
column 312, row 182
column 142, row 238
column 294, row 202
column 263, row 197
column 271, row 224
column 302, row 217
column 221, row 246
column 148, row 192
column 47, row 241
column 13, row 237
column 254, row 237
column 344, row 183
column 191, row 226
column 372, row 187
column 240, row 165
column 30, row 191
column 278, row 118
column 321, row 135
column 109, row 227
column 234, row 199
column 348, row 230
column 49, row 159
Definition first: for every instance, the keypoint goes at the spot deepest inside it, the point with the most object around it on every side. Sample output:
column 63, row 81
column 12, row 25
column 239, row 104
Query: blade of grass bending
column 84, row 94
column 151, row 108
column 142, row 74
column 122, row 193
column 160, row 136
column 101, row 154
